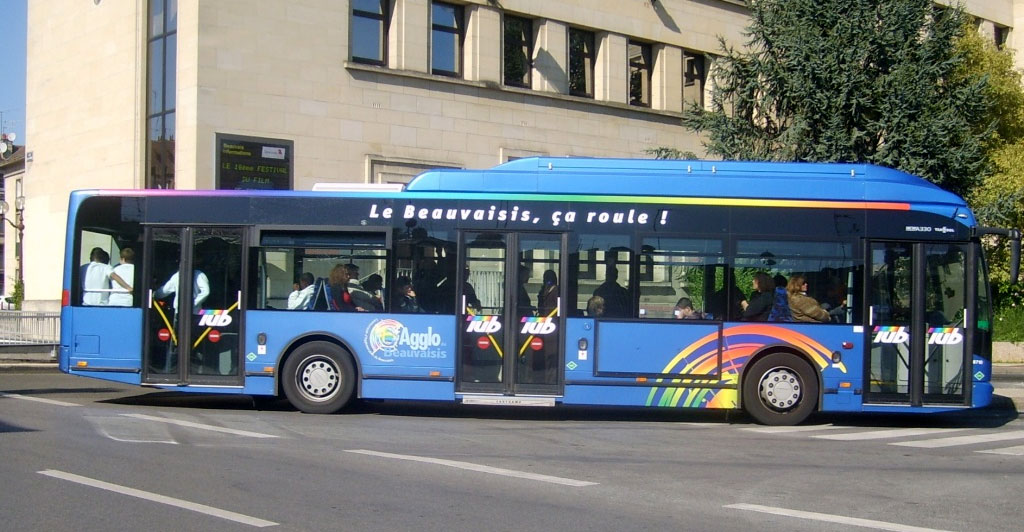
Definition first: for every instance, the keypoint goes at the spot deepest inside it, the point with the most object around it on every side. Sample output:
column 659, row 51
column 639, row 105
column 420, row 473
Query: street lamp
column 19, row 210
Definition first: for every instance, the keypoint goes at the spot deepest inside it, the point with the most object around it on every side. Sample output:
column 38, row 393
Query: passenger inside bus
column 684, row 310
column 616, row 298
column 804, row 307
column 759, row 305
column 300, row 298
column 547, row 298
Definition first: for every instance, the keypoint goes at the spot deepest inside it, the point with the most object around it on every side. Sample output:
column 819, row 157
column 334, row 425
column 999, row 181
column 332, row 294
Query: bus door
column 916, row 332
column 193, row 282
column 511, row 313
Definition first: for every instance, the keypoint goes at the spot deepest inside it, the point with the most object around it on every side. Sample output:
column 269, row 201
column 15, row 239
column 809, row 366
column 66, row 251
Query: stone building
column 205, row 94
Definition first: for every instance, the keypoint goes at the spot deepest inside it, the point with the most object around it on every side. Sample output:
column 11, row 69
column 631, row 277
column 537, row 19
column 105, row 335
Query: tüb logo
column 944, row 336
column 215, row 319
column 891, row 335
column 538, row 326
column 483, row 324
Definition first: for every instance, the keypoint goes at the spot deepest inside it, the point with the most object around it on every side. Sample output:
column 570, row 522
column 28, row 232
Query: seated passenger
column 301, row 297
column 405, row 298
column 804, row 307
column 759, row 305
column 684, row 310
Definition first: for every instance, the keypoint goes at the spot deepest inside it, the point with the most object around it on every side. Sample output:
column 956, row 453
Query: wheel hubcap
column 780, row 389
column 319, row 378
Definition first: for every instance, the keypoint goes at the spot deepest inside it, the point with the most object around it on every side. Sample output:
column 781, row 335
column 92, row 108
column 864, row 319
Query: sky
column 13, row 28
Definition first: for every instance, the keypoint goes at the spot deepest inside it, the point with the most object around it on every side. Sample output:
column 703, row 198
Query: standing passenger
column 96, row 278
column 123, row 276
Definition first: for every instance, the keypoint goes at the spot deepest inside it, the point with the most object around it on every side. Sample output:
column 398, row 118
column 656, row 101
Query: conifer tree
column 871, row 81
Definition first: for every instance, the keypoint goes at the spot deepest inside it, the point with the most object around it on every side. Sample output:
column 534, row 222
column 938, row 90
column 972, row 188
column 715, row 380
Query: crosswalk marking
column 786, row 430
column 884, row 434
column 963, row 440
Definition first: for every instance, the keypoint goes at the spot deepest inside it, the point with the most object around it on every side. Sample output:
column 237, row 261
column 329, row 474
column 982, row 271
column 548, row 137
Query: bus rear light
column 82, row 364
column 65, row 298
column 847, row 345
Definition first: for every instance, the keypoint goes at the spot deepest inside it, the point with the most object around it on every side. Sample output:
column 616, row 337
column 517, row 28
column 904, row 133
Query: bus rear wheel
column 780, row 389
column 319, row 378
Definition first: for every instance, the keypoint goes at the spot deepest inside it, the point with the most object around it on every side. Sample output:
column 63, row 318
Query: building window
column 999, row 35
column 161, row 91
column 694, row 76
column 368, row 36
column 581, row 63
column 639, row 73
column 446, row 36
column 518, row 51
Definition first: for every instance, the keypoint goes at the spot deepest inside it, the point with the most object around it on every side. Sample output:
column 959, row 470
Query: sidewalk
column 26, row 358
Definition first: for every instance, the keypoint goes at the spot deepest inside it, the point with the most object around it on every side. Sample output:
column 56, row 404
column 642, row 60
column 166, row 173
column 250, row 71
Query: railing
column 29, row 328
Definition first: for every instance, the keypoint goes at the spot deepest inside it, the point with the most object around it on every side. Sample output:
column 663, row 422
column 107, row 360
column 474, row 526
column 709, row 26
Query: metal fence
column 29, row 328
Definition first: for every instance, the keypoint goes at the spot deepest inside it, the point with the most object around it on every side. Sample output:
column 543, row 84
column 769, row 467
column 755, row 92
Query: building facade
column 205, row 94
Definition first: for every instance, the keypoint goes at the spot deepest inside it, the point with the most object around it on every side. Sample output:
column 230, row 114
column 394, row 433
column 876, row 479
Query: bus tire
column 780, row 389
column 319, row 378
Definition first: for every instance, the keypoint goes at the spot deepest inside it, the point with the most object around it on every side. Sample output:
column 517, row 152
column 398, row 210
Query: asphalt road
column 87, row 455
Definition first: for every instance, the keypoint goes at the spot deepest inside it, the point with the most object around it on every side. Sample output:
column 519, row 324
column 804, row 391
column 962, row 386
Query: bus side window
column 671, row 269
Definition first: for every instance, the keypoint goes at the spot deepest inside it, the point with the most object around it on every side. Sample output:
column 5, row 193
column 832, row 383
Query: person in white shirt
column 122, row 278
column 200, row 290
column 96, row 278
column 299, row 298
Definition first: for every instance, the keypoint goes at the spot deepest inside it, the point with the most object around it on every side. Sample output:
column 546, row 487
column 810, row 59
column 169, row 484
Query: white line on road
column 37, row 399
column 479, row 468
column 162, row 499
column 882, row 434
column 1012, row 451
column 190, row 424
column 829, row 518
column 786, row 430
column 963, row 440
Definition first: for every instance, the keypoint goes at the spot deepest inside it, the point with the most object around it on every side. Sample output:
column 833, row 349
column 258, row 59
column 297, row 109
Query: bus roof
column 680, row 178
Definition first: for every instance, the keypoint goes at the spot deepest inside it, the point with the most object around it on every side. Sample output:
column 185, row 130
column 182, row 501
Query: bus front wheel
column 780, row 389
column 319, row 378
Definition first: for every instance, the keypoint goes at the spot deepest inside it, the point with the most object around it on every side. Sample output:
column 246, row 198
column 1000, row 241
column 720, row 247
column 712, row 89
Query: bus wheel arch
column 780, row 387
column 318, row 376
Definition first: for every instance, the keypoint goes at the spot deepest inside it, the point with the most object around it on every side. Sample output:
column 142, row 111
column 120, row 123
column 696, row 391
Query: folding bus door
column 193, row 293
column 916, row 325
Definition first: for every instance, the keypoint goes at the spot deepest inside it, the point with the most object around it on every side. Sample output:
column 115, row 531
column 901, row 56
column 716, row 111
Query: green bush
column 1008, row 324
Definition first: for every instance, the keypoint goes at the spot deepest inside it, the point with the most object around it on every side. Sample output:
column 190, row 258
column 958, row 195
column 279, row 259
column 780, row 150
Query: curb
column 28, row 367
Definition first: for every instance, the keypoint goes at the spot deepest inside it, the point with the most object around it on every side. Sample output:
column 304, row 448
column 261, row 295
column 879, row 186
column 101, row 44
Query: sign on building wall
column 249, row 163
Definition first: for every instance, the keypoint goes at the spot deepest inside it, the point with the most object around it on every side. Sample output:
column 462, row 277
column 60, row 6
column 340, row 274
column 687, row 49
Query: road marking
column 190, row 424
column 829, row 518
column 786, row 430
column 119, row 428
column 883, row 434
column 963, row 440
column 37, row 399
column 1012, row 451
column 162, row 499
column 477, row 467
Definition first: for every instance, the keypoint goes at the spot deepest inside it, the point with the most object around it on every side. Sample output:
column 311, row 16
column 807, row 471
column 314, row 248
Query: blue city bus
column 544, row 282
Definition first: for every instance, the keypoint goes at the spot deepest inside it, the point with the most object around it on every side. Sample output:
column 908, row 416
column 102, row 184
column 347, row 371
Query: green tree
column 869, row 81
column 999, row 201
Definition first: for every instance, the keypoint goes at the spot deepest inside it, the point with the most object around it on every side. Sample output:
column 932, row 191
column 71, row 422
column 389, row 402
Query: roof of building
column 14, row 160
